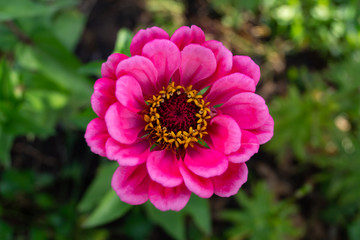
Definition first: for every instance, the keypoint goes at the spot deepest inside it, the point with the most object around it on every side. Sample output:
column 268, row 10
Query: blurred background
column 303, row 184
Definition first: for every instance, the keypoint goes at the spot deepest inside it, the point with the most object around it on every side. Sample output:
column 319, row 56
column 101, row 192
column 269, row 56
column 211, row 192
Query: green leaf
column 173, row 223
column 123, row 41
column 6, row 141
column 354, row 230
column 68, row 27
column 6, row 88
column 82, row 119
column 98, row 188
column 24, row 8
column 199, row 209
column 6, row 231
column 7, row 39
column 109, row 209
column 54, row 61
column 91, row 68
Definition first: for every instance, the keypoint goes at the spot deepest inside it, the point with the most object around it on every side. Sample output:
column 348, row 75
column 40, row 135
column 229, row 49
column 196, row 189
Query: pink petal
column 225, row 134
column 247, row 109
column 244, row 64
column 163, row 168
column 144, row 36
column 165, row 198
column 123, row 125
column 185, row 36
column 228, row 86
column 249, row 146
column 229, row 183
column 129, row 93
column 224, row 61
column 197, row 63
column 103, row 96
column 203, row 187
column 131, row 184
column 108, row 68
column 266, row 131
column 96, row 135
column 205, row 162
column 128, row 155
column 142, row 70
column 166, row 58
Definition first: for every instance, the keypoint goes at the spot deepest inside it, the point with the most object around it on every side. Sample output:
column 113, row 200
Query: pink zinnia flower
column 170, row 137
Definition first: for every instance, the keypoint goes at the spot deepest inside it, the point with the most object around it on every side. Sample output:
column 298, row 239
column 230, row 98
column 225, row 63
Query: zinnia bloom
column 180, row 116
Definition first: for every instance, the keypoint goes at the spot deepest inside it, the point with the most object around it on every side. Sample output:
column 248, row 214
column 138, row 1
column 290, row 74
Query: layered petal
column 197, row 63
column 128, row 154
column 108, row 68
column 165, row 56
column 203, row 187
column 165, row 198
column 247, row 109
column 266, row 131
column 103, row 96
column 186, row 35
column 144, row 36
column 163, row 168
column 131, row 184
column 96, row 135
column 225, row 134
column 228, row 86
column 249, row 146
column 205, row 162
column 244, row 64
column 129, row 93
column 142, row 69
column 123, row 125
column 229, row 183
column 224, row 61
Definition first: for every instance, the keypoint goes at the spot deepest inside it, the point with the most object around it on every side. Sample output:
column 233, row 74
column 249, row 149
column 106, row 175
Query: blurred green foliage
column 39, row 73
column 309, row 54
column 260, row 217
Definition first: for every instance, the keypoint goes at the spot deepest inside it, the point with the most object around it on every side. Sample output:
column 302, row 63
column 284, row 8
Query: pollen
column 176, row 117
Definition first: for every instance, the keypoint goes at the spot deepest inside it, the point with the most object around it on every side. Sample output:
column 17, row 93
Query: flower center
column 176, row 117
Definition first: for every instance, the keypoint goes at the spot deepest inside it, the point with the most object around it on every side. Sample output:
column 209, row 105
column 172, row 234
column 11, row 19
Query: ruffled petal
column 249, row 146
column 224, row 61
column 131, row 184
column 144, row 36
column 165, row 56
column 96, row 135
column 228, row 86
column 128, row 154
column 103, row 96
column 229, row 183
column 142, row 69
column 197, row 63
column 205, row 162
column 129, row 93
column 225, row 134
column 266, row 131
column 203, row 187
column 244, row 64
column 108, row 68
column 123, row 125
column 163, row 168
column 186, row 35
column 247, row 109
column 165, row 198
